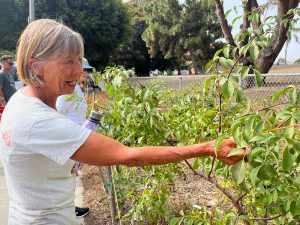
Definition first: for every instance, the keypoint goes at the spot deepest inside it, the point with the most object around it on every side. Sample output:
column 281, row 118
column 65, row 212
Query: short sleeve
column 57, row 138
column 1, row 79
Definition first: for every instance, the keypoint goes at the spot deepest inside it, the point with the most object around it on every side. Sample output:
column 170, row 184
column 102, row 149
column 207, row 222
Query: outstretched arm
column 102, row 151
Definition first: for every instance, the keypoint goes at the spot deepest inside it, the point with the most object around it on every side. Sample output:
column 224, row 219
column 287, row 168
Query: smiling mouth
column 71, row 83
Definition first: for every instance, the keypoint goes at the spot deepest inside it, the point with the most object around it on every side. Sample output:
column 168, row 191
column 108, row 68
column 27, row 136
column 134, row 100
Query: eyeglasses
column 10, row 63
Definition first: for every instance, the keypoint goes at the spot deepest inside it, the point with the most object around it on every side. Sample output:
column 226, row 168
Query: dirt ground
column 96, row 199
column 294, row 68
column 183, row 195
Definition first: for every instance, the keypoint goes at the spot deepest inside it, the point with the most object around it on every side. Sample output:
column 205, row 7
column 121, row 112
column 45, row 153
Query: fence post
column 111, row 194
column 241, row 82
column 180, row 83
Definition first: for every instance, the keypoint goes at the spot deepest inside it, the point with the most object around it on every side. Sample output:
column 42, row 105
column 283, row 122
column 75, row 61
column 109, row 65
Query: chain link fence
column 271, row 83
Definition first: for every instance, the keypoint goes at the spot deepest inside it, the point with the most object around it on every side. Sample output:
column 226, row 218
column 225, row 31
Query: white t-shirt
column 35, row 146
column 74, row 110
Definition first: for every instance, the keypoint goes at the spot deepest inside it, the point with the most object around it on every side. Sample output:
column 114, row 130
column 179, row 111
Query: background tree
column 102, row 23
column 268, row 53
column 12, row 20
column 133, row 52
column 185, row 31
column 199, row 30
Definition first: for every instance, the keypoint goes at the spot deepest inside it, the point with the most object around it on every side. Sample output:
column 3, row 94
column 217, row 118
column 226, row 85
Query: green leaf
column 243, row 186
column 293, row 96
column 289, row 132
column 176, row 221
column 258, row 139
column 235, row 130
column 236, row 151
column 218, row 143
column 256, row 151
column 239, row 96
column 207, row 83
column 259, row 127
column 226, row 51
column 227, row 12
column 196, row 164
column 247, row 135
column 238, row 172
column 279, row 93
column 287, row 160
column 218, row 53
column 294, row 143
column 266, row 172
column 236, row 19
column 287, row 205
column 227, row 89
column 226, row 62
column 209, row 65
column 118, row 168
column 253, row 175
column 234, row 79
column 243, row 50
column 284, row 115
column 295, row 207
column 250, row 124
column 296, row 115
column 245, row 72
column 259, row 78
column 254, row 52
column 233, row 52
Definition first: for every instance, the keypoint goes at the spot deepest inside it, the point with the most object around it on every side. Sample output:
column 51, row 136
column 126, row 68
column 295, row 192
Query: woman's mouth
column 71, row 83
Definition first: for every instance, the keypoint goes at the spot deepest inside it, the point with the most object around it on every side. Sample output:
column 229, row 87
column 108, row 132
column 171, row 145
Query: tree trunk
column 223, row 22
column 267, row 56
column 195, row 66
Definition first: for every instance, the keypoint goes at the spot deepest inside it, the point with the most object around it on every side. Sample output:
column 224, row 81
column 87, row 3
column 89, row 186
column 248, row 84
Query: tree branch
column 254, row 7
column 247, row 12
column 268, row 56
column 266, row 219
column 241, row 210
column 224, row 23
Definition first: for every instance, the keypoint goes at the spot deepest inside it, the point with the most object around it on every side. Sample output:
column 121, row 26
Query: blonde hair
column 41, row 40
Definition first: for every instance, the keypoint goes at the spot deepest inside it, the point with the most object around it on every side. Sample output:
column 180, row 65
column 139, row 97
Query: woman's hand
column 226, row 147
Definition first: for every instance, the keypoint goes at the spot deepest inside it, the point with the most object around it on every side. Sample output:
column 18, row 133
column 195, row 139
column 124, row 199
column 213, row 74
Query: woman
column 39, row 145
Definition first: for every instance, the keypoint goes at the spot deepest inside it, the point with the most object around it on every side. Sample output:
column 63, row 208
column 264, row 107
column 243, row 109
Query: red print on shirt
column 6, row 138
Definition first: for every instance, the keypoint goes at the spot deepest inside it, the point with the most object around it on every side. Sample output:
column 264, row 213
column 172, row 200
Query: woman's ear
column 35, row 67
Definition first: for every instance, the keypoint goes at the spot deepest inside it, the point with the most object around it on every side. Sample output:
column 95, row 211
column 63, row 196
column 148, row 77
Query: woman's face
column 60, row 74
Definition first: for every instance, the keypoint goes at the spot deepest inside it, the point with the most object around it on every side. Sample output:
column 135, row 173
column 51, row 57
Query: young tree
column 269, row 53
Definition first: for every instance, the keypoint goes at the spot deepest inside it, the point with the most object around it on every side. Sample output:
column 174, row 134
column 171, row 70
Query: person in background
column 75, row 110
column 7, row 86
column 87, row 69
column 40, row 145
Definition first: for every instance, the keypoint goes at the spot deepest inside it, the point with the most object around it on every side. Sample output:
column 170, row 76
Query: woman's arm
column 102, row 151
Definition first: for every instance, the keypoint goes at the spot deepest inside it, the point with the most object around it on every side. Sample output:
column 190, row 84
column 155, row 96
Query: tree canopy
column 187, row 31
column 102, row 23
